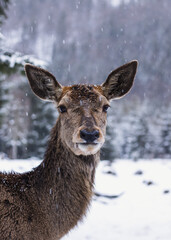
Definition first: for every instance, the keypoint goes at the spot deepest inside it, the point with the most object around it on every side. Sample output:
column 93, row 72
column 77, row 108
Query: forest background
column 81, row 42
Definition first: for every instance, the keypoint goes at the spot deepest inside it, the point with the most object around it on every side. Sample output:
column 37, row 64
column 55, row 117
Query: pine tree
column 3, row 9
column 137, row 140
column 108, row 151
column 42, row 117
column 164, row 148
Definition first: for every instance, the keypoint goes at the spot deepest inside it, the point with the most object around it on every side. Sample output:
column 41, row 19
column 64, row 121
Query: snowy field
column 140, row 203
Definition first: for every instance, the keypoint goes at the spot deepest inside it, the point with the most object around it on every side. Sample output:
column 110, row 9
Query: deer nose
column 90, row 137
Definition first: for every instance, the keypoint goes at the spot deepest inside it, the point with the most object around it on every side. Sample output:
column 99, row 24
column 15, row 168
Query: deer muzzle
column 88, row 141
column 89, row 136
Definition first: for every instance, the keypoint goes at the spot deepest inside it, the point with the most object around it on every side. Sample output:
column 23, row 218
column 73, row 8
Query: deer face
column 83, row 111
column 82, row 108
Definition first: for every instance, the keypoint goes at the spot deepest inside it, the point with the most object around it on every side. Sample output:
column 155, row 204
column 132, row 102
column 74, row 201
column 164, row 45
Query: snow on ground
column 142, row 210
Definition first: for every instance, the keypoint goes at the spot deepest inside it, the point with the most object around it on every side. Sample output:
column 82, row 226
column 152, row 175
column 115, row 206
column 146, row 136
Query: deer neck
column 62, row 162
column 65, row 183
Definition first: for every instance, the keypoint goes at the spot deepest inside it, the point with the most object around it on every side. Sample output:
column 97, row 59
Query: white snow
column 143, row 210
column 18, row 58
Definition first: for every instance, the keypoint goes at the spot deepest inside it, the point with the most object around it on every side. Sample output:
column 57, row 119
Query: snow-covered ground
column 142, row 210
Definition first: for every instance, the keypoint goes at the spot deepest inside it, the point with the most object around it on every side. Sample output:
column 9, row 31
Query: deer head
column 82, row 108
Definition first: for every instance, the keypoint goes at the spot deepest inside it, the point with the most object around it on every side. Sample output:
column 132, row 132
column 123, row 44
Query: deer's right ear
column 43, row 83
column 120, row 81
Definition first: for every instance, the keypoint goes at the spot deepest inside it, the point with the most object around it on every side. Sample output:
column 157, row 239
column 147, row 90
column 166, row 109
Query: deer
column 50, row 200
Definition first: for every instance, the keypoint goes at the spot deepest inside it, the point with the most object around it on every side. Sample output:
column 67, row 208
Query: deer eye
column 62, row 109
column 105, row 108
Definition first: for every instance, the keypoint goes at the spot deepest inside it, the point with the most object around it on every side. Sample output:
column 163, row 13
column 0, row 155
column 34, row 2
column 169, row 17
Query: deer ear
column 43, row 83
column 120, row 81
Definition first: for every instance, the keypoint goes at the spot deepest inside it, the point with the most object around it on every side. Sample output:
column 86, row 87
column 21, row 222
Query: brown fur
column 46, row 203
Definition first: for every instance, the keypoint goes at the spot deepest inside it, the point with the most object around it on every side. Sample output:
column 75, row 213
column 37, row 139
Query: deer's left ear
column 43, row 83
column 120, row 81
